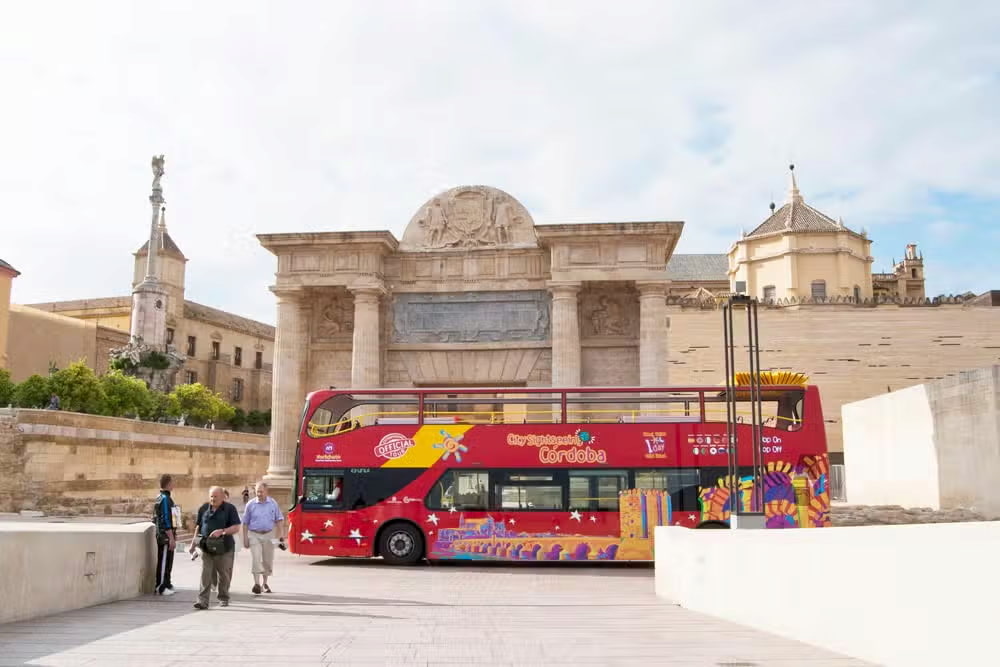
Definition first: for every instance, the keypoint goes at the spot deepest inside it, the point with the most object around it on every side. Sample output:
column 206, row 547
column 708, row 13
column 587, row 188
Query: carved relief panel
column 333, row 317
column 471, row 317
column 609, row 310
column 470, row 217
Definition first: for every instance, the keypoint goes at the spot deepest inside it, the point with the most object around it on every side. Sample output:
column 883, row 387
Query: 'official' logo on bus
column 393, row 446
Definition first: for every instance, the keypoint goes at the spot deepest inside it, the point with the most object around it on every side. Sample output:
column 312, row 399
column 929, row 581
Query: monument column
column 565, row 334
column 287, row 388
column 366, row 352
column 652, row 334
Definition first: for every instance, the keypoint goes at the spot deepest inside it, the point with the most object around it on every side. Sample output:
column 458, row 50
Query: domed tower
column 157, row 277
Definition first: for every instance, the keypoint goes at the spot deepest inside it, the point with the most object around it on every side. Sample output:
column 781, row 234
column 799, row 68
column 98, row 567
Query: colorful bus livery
column 543, row 474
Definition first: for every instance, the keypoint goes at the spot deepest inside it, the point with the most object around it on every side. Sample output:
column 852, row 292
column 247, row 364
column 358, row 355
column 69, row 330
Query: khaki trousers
column 216, row 567
column 262, row 552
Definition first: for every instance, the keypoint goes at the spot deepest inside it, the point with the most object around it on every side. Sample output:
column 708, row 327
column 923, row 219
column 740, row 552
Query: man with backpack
column 165, row 518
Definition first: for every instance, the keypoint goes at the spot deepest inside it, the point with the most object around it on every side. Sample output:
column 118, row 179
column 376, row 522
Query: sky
column 328, row 116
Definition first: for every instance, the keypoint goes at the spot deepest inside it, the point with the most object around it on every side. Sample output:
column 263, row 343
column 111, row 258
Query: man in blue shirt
column 166, row 536
column 262, row 523
column 217, row 522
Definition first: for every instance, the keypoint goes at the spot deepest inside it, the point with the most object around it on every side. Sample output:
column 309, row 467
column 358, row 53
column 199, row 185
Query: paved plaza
column 327, row 612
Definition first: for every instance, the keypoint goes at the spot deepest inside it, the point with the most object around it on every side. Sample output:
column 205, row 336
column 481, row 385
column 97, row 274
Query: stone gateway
column 473, row 294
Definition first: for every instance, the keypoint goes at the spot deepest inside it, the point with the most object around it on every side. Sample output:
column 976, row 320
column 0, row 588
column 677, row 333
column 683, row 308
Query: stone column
column 652, row 334
column 565, row 336
column 366, row 353
column 287, row 388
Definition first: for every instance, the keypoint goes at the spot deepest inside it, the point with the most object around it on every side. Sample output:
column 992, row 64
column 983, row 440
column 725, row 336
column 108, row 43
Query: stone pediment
column 470, row 217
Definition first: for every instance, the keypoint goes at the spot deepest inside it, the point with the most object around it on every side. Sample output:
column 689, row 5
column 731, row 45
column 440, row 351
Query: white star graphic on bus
column 356, row 534
column 593, row 518
column 328, row 523
column 511, row 521
column 331, row 547
column 452, row 510
column 306, row 536
column 574, row 515
column 433, row 519
column 557, row 527
column 374, row 521
column 692, row 517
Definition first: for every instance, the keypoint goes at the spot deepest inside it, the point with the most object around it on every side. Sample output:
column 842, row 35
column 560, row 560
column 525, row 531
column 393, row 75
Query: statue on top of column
column 157, row 171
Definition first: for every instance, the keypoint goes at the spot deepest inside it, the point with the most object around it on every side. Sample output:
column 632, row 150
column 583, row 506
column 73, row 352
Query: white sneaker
column 168, row 591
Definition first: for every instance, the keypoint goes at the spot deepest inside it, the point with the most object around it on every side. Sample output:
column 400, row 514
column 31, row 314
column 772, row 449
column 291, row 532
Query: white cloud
column 279, row 117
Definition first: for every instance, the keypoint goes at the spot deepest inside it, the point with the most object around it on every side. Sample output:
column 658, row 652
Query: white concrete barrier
column 893, row 595
column 46, row 568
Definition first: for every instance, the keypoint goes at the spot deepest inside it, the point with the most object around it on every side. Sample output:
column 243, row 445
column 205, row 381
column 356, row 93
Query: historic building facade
column 800, row 254
column 474, row 293
column 7, row 275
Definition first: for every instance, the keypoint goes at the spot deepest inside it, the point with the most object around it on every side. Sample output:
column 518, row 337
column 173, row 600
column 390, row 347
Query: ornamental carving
column 471, row 317
column 470, row 217
column 609, row 311
column 334, row 317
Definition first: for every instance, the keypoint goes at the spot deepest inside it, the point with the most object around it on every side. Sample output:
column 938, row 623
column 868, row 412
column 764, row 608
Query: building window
column 216, row 350
column 170, row 336
column 258, row 362
column 913, row 273
column 769, row 293
column 190, row 377
column 819, row 289
column 192, row 346
column 237, row 389
column 237, row 356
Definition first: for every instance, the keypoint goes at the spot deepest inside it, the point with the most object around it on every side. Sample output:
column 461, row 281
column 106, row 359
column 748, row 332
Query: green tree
column 239, row 419
column 33, row 392
column 125, row 395
column 255, row 419
column 79, row 389
column 7, row 388
column 200, row 404
column 160, row 405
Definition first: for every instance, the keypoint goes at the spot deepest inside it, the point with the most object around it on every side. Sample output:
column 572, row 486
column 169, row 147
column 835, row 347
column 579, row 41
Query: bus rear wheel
column 714, row 524
column 401, row 544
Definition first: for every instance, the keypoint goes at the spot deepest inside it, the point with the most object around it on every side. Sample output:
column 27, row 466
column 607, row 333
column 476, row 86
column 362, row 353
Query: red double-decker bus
column 547, row 474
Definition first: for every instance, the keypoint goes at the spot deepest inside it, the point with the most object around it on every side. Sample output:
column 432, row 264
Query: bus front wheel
column 401, row 544
column 714, row 524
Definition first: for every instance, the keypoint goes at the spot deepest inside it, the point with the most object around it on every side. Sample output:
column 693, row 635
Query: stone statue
column 157, row 171
column 503, row 219
column 437, row 224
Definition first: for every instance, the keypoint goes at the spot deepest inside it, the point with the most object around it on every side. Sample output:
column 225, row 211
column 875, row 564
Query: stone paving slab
column 332, row 612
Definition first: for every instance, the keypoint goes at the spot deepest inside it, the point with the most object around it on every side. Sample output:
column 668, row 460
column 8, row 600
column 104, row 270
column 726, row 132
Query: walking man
column 166, row 536
column 262, row 523
column 217, row 522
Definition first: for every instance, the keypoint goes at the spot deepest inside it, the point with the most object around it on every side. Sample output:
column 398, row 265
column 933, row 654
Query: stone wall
column 70, row 463
column 934, row 445
column 849, row 352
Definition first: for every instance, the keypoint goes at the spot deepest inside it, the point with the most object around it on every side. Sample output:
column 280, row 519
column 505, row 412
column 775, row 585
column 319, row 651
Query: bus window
column 323, row 489
column 529, row 491
column 596, row 490
column 369, row 486
column 461, row 489
column 683, row 484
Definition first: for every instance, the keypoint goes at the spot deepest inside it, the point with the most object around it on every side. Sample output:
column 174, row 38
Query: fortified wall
column 850, row 351
column 69, row 463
